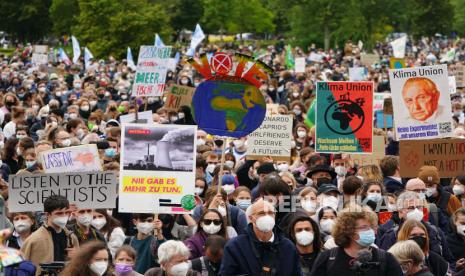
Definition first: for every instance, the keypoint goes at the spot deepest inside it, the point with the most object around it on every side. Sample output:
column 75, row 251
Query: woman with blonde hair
column 370, row 173
column 410, row 256
column 308, row 200
column 289, row 179
column 417, row 232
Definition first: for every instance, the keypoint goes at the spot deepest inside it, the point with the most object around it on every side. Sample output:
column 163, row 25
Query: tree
column 63, row 14
column 250, row 16
column 108, row 27
column 185, row 14
column 459, row 16
column 432, row 16
column 25, row 20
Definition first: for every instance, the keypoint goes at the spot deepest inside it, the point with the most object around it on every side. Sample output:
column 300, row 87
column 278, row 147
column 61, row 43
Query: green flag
column 290, row 62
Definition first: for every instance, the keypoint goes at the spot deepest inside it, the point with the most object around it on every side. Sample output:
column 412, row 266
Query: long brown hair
column 223, row 231
column 79, row 265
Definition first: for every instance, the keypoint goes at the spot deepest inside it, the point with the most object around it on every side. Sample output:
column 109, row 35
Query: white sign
column 300, row 65
column 152, row 66
column 378, row 100
column 157, row 172
column 83, row 158
column 40, row 49
column 39, row 59
column 144, row 118
column 421, row 102
column 452, row 85
column 398, row 47
column 358, row 73
column 92, row 190
column 272, row 138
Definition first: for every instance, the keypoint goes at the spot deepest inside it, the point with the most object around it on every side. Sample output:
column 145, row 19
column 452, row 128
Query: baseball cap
column 326, row 188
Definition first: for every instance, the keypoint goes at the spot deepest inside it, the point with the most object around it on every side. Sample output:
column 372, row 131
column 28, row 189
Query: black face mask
column 421, row 241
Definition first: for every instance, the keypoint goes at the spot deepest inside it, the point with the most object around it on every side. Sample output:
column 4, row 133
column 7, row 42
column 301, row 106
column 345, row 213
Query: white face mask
column 60, row 221
column 85, row 219
column 210, row 168
column 73, row 116
column 98, row 223
column 265, row 223
column 330, row 201
column 422, row 195
column 283, row 167
column 230, row 164
column 66, row 143
column 340, row 170
column 415, row 215
column 180, row 269
column 326, row 225
column 85, row 108
column 22, row 226
column 297, row 111
column 201, row 142
column 93, row 103
column 304, row 237
column 198, row 190
column 458, row 190
column 308, row 205
column 99, row 267
column 145, row 227
column 238, row 143
column 301, row 134
column 461, row 230
column 181, row 115
column 222, row 211
column 211, row 228
column 173, row 118
column 375, row 197
column 430, row 191
column 229, row 189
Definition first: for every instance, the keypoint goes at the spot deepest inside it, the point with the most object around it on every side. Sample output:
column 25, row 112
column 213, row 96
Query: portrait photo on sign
column 158, row 148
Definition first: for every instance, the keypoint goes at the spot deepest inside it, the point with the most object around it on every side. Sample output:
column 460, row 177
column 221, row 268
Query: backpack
column 380, row 253
column 24, row 268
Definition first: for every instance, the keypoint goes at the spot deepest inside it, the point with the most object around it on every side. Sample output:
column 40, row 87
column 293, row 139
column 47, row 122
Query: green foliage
column 26, row 20
column 108, row 27
column 63, row 14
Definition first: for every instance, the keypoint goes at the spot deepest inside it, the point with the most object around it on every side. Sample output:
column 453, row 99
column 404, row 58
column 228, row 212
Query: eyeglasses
column 210, row 221
column 411, row 208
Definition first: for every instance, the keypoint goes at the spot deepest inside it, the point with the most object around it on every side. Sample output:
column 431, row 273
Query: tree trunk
column 326, row 38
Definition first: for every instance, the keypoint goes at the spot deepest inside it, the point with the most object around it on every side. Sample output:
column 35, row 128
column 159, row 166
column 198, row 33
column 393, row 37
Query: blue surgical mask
column 367, row 237
column 110, row 152
column 243, row 203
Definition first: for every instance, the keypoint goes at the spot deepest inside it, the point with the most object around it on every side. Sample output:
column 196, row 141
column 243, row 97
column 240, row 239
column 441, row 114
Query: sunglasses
column 210, row 221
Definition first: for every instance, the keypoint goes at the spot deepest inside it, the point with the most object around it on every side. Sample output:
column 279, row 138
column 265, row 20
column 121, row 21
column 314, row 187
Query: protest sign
column 421, row 102
column 459, row 74
column 157, row 172
column 177, row 96
column 40, row 49
column 448, row 155
column 369, row 59
column 452, row 85
column 272, row 138
column 344, row 116
column 152, row 66
column 396, row 63
column 90, row 190
column 145, row 117
column 375, row 157
column 300, row 65
column 83, row 158
column 272, row 109
column 398, row 47
column 383, row 120
column 315, row 57
column 358, row 73
column 378, row 100
column 39, row 59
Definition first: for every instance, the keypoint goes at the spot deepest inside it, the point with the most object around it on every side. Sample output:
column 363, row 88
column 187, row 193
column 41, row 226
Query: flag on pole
column 87, row 56
column 76, row 49
column 158, row 41
column 130, row 60
column 398, row 47
column 197, row 37
column 290, row 62
column 64, row 57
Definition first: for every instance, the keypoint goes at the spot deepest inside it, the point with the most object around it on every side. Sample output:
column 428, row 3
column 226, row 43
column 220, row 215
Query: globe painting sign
column 229, row 105
column 344, row 117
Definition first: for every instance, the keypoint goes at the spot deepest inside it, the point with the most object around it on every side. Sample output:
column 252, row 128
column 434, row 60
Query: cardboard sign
column 300, row 65
column 93, row 190
column 344, row 116
column 157, row 172
column 421, row 102
column 358, row 73
column 39, row 59
column 177, row 96
column 83, row 158
column 369, row 59
column 145, row 117
column 448, row 155
column 40, row 49
column 396, row 63
column 152, row 65
column 272, row 138
column 459, row 74
column 375, row 157
column 452, row 85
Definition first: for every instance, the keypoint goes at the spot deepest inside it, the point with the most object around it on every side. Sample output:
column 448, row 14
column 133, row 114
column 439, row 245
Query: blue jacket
column 239, row 257
column 393, row 185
